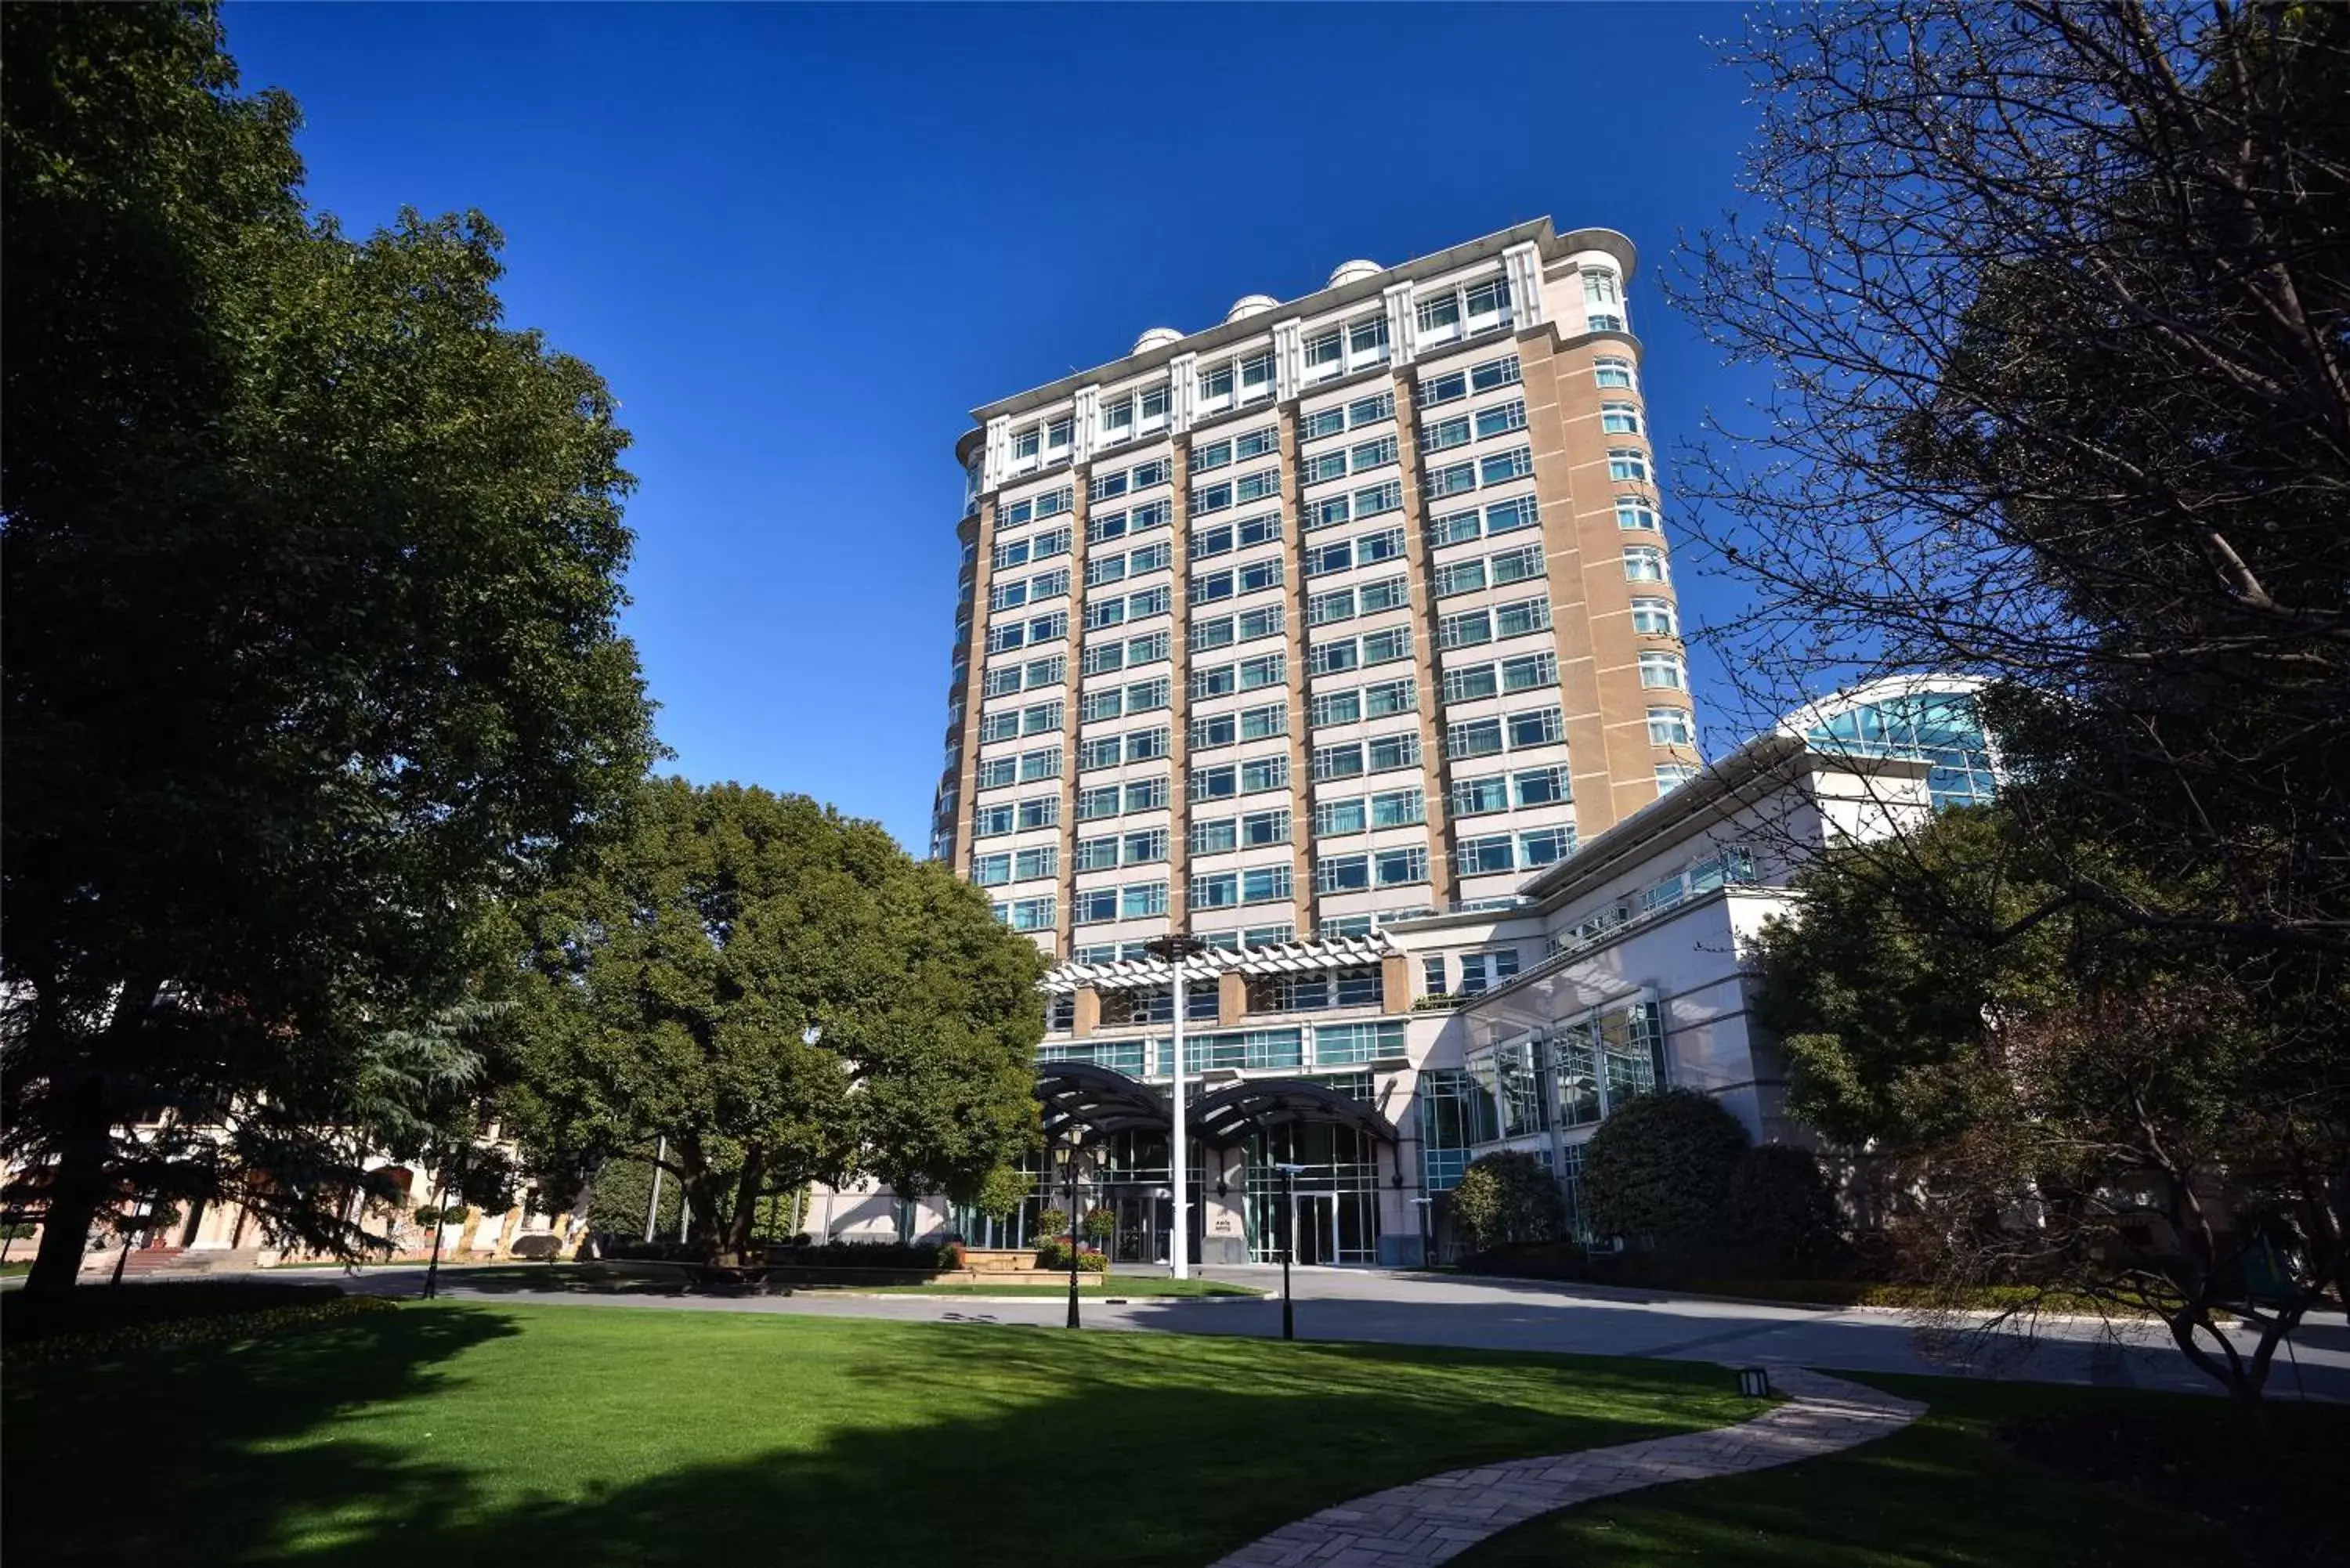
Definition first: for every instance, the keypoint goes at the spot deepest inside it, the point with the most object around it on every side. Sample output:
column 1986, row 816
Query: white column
column 1179, row 1246
column 1288, row 359
column 1523, row 266
column 1182, row 392
column 1403, row 326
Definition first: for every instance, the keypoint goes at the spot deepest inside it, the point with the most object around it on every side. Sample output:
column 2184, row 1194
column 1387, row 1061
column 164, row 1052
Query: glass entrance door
column 1318, row 1228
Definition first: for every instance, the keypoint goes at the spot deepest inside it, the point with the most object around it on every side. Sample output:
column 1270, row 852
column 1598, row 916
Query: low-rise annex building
column 1382, row 1063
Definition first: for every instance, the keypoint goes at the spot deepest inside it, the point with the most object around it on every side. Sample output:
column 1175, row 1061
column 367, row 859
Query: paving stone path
column 1437, row 1519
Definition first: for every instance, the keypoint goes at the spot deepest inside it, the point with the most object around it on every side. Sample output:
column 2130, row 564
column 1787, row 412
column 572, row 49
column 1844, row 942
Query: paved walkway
column 1435, row 1520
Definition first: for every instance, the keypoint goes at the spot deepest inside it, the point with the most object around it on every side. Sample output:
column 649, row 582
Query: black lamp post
column 1288, row 1245
column 1072, row 1152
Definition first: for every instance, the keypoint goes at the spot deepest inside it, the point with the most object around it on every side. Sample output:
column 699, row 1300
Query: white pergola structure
column 1279, row 958
column 1150, row 974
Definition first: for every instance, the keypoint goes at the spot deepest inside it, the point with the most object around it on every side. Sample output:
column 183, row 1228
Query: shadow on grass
column 811, row 1441
column 1943, row 1493
column 175, row 1455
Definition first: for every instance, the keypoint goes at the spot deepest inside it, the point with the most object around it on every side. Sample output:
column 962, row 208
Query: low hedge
column 126, row 1338
column 1054, row 1257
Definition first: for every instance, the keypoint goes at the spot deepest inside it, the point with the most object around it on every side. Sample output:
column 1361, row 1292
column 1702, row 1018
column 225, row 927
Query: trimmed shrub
column 1099, row 1225
column 537, row 1247
column 1508, row 1196
column 1780, row 1212
column 1657, row 1171
column 1053, row 1256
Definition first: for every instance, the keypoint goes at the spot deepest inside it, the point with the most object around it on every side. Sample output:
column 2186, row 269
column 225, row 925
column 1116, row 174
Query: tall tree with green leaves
column 2071, row 1102
column 312, row 571
column 785, row 996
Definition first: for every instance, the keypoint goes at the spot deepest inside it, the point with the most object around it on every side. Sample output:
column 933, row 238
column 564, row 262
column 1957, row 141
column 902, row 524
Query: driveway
column 1402, row 1308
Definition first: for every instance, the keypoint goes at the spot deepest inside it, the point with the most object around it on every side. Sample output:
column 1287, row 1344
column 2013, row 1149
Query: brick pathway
column 1433, row 1520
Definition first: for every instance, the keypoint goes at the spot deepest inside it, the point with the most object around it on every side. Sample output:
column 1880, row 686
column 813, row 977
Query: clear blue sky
column 802, row 243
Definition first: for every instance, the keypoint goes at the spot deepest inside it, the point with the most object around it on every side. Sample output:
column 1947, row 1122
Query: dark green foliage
column 1782, row 1214
column 1657, row 1171
column 783, row 994
column 1508, row 1196
column 311, row 577
column 623, row 1192
column 1881, row 986
column 1054, row 1254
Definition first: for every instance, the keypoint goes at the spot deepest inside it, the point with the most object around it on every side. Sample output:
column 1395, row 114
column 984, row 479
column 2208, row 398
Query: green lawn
column 454, row 1434
column 1127, row 1285
column 1939, row 1494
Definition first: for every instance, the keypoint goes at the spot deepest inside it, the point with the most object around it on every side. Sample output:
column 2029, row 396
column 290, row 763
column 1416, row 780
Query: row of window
column 1141, row 847
column 1373, row 868
column 1011, row 593
column 1129, row 653
column 1222, row 538
column 1112, row 751
column 1113, row 800
column 1102, row 527
column 1487, row 737
column 1342, row 417
column 1523, row 790
column 1443, row 314
column 1501, row 517
column 1025, row 866
column 1355, row 704
column 1229, row 889
column 1339, row 461
column 1118, row 609
column 1337, row 655
column 1252, row 577
column 1134, row 902
column 1037, row 508
column 1251, row 776
column 1459, row 478
column 1381, row 753
column 1495, row 571
column 1214, row 454
column 1041, row 546
column 1245, row 724
column 1362, row 550
column 1002, row 680
column 1362, row 813
column 1224, row 494
column 994, row 772
column 1247, row 675
column 1354, row 506
column 1450, row 386
column 1108, row 485
column 1224, row 632
column 1334, row 351
column 1118, row 566
column 1443, row 435
column 1117, row 701
column 1471, row 629
column 1036, row 719
column 1346, row 603
column 1341, row 351
column 1256, row 830
column 995, row 820
column 1498, row 852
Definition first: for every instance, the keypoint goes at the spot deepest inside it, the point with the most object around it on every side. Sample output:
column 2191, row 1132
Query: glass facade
column 1939, row 727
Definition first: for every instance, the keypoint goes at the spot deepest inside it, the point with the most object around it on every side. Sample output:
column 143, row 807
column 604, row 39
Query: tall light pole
column 1289, row 1174
column 1177, row 947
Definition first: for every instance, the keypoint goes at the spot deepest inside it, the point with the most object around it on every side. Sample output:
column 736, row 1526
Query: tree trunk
column 746, row 1202
column 77, row 1193
column 699, row 1186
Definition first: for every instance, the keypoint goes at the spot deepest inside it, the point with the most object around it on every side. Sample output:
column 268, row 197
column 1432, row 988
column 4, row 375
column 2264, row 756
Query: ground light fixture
column 1427, row 1240
column 1754, row 1382
column 1176, row 949
column 1289, row 1174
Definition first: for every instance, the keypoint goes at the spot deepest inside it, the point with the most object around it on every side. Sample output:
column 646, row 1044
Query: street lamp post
column 1288, row 1244
column 1071, row 1167
column 1177, row 947
column 1427, row 1240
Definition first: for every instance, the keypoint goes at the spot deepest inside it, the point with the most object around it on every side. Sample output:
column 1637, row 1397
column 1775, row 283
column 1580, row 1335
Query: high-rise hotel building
column 1349, row 609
